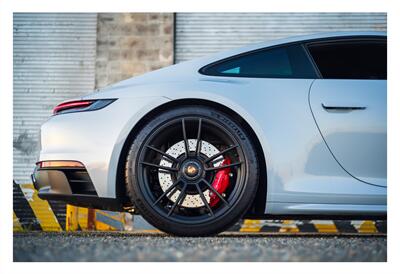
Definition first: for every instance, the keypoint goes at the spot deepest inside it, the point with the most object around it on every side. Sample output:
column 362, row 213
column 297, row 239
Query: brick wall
column 130, row 44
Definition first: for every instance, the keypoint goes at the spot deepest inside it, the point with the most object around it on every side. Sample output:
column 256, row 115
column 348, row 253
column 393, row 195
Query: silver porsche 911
column 294, row 128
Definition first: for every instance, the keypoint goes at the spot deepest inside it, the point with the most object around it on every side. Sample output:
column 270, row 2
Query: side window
column 283, row 62
column 350, row 59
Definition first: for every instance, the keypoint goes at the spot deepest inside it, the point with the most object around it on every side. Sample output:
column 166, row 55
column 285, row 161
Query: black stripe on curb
column 23, row 210
column 381, row 226
column 59, row 209
column 345, row 226
column 307, row 227
column 269, row 228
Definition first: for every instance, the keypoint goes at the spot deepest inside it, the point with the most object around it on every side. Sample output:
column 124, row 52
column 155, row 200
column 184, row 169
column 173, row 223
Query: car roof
column 190, row 68
column 293, row 39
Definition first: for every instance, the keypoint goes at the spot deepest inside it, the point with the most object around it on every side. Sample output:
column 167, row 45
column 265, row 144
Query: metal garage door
column 199, row 34
column 54, row 60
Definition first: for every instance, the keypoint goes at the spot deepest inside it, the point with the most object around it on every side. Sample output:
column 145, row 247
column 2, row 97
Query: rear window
column 281, row 62
column 363, row 59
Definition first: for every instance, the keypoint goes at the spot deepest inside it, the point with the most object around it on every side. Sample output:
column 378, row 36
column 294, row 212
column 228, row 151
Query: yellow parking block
column 251, row 226
column 324, row 226
column 41, row 209
column 367, row 227
column 83, row 218
column 77, row 218
column 71, row 222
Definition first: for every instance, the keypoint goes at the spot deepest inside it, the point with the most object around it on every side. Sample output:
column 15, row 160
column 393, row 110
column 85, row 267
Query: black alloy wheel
column 172, row 167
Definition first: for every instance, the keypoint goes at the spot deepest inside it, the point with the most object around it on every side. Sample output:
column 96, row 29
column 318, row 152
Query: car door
column 348, row 103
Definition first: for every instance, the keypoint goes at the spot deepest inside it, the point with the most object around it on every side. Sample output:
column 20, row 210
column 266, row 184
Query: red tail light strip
column 52, row 164
column 72, row 104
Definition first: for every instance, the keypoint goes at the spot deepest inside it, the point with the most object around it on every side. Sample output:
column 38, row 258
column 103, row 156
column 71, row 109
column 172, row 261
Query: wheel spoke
column 172, row 193
column 185, row 137
column 180, row 197
column 169, row 157
column 166, row 192
column 203, row 198
column 222, row 167
column 171, row 169
column 220, row 153
column 215, row 191
column 198, row 144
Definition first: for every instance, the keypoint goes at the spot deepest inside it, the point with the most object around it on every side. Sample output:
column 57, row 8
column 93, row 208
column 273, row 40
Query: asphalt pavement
column 232, row 247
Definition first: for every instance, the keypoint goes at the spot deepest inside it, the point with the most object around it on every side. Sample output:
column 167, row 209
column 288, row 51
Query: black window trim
column 304, row 44
column 314, row 65
column 345, row 39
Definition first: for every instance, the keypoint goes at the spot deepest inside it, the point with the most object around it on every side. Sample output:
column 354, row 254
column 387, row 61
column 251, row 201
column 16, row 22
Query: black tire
column 170, row 215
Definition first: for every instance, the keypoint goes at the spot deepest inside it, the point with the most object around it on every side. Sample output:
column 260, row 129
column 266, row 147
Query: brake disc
column 165, row 179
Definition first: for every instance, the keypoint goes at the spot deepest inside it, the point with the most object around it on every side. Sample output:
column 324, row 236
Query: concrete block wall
column 130, row 44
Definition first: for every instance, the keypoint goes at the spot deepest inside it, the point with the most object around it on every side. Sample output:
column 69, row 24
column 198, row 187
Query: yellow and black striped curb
column 312, row 226
column 32, row 213
column 290, row 226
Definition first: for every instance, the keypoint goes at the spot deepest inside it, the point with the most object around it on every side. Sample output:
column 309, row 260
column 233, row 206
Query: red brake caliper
column 221, row 182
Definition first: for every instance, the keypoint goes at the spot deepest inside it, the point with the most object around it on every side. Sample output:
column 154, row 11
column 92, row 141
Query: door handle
column 342, row 108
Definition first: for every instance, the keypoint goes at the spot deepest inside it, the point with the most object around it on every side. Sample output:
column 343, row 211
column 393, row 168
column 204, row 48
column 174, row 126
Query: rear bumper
column 71, row 185
column 65, row 180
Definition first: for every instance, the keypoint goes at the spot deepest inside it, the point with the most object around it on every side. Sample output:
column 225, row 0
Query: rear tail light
column 54, row 164
column 83, row 105
column 71, row 105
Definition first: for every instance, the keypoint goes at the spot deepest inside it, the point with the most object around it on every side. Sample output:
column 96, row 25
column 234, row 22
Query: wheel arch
column 258, row 206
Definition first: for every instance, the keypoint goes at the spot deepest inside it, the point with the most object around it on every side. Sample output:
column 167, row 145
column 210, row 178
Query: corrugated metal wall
column 54, row 60
column 199, row 34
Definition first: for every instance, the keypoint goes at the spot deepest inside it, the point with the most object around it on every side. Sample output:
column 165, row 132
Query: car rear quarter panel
column 95, row 138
